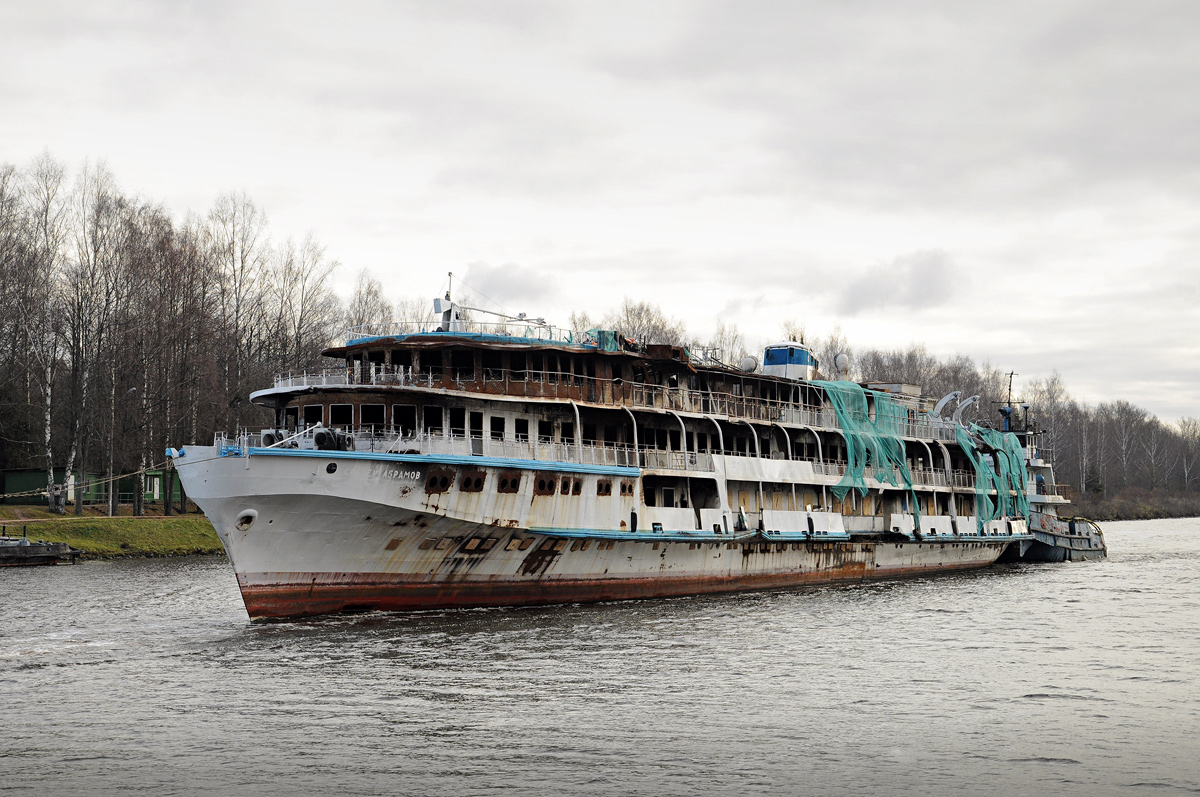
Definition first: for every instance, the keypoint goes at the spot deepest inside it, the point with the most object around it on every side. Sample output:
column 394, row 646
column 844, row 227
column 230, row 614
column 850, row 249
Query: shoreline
column 123, row 537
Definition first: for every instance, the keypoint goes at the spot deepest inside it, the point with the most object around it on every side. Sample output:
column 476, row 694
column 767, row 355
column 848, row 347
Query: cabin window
column 604, row 487
column 462, row 365
column 493, row 366
column 373, row 416
column 341, row 414
column 701, row 441
column 649, row 497
column 497, row 427
column 626, row 488
column 589, row 433
column 314, row 414
column 537, row 368
column 472, row 481
column 404, row 418
column 516, row 367
column 668, row 496
column 291, row 417
column 610, row 435
column 544, row 484
column 568, row 432
column 431, row 365
column 433, row 419
column 401, row 358
column 521, row 429
column 458, row 422
column 660, row 438
column 545, row 431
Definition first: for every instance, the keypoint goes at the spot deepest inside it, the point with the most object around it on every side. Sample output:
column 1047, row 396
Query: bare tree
column 580, row 323
column 237, row 243
column 1189, row 438
column 413, row 311
column 646, row 323
column 40, row 312
column 1124, row 422
column 368, row 310
column 827, row 350
column 727, row 344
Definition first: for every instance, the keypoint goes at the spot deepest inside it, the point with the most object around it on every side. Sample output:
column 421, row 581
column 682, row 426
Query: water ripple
column 145, row 677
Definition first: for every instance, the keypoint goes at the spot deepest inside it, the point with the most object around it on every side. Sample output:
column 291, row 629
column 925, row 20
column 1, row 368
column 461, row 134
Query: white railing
column 613, row 393
column 528, row 329
column 384, row 440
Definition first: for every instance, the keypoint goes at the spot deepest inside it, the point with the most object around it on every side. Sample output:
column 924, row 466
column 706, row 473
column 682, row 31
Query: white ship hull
column 315, row 532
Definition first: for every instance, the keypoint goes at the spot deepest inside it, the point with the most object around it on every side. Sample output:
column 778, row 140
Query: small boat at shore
column 23, row 552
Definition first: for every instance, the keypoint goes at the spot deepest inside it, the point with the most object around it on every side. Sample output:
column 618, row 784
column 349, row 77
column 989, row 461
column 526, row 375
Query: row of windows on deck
column 407, row 419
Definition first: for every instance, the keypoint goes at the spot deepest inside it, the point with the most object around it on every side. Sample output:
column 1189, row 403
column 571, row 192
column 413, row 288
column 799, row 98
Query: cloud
column 914, row 282
column 508, row 287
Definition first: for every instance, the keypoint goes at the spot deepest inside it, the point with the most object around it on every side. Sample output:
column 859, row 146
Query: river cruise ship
column 451, row 464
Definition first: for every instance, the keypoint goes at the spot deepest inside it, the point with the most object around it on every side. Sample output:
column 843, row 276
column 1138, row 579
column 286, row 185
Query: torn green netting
column 1004, row 474
column 871, row 443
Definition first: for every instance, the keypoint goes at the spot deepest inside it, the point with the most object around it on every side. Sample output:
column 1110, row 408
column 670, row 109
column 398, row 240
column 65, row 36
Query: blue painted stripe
column 448, row 459
column 697, row 535
column 710, row 536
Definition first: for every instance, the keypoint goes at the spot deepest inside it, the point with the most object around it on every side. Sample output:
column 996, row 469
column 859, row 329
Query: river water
column 145, row 676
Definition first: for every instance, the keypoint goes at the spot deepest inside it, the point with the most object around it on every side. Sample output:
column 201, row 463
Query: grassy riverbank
column 106, row 538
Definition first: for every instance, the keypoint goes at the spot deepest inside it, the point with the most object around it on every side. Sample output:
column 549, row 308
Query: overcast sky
column 1019, row 181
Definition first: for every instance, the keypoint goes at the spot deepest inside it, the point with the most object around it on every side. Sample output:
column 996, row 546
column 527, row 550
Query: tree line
column 124, row 330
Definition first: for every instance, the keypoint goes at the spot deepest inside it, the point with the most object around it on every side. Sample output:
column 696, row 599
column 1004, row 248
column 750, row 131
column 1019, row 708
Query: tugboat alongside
column 451, row 465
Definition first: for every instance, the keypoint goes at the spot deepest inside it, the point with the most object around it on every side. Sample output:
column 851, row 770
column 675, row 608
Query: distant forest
column 124, row 330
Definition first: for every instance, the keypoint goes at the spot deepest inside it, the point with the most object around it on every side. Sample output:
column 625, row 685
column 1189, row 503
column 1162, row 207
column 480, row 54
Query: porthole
column 331, row 467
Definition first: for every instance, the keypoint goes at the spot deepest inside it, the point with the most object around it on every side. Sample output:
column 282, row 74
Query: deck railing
column 455, row 443
column 526, row 329
column 604, row 392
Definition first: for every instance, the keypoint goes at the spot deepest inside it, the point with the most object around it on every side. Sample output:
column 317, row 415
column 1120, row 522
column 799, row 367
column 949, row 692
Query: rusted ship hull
column 324, row 534
column 301, row 594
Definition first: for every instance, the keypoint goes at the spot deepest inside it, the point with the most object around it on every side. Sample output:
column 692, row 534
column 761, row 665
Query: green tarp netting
column 873, row 444
column 1005, row 473
column 606, row 339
